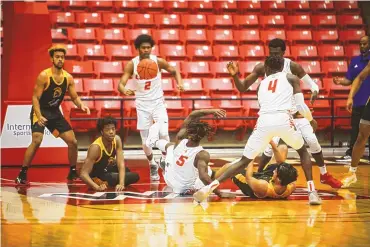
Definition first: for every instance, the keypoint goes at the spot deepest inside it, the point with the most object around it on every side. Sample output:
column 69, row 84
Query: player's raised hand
column 180, row 87
column 85, row 109
column 219, row 113
column 337, row 80
column 233, row 68
column 128, row 92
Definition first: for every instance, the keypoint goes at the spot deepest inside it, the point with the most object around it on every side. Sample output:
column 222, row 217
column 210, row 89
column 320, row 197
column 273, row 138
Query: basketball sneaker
column 154, row 176
column 204, row 192
column 330, row 180
column 350, row 179
column 314, row 198
column 153, row 136
column 99, row 182
column 22, row 178
column 72, row 175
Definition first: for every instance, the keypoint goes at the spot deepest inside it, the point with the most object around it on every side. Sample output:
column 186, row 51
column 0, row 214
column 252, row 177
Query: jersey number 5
column 147, row 85
column 181, row 160
column 272, row 86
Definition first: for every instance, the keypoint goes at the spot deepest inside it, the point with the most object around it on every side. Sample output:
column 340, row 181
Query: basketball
column 147, row 69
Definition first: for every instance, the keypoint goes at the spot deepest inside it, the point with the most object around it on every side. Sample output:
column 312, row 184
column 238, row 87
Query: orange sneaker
column 330, row 180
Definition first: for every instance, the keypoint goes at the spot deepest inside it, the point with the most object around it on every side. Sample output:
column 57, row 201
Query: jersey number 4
column 272, row 86
column 181, row 160
column 147, row 85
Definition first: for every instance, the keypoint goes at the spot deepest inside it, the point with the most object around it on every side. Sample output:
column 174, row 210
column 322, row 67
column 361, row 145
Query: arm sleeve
column 308, row 81
column 302, row 107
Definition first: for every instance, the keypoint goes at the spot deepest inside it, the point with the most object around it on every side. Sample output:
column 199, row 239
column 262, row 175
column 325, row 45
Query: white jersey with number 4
column 181, row 174
column 275, row 94
column 147, row 89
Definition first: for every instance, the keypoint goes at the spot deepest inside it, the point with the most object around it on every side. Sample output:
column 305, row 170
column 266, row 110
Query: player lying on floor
column 186, row 166
column 104, row 165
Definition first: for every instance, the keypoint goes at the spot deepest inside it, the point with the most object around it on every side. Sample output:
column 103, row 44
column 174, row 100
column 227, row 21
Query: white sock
column 323, row 170
column 352, row 169
column 310, row 186
column 215, row 183
column 152, row 161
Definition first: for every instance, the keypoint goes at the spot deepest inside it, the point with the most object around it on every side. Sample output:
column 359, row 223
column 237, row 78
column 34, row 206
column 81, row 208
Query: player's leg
column 160, row 116
column 112, row 177
column 310, row 138
column 267, row 154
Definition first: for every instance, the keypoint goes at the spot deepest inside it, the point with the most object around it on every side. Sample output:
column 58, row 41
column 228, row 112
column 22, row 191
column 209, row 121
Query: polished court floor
column 51, row 212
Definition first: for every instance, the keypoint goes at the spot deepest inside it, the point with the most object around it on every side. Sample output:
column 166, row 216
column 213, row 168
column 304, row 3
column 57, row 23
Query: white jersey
column 275, row 94
column 181, row 172
column 147, row 90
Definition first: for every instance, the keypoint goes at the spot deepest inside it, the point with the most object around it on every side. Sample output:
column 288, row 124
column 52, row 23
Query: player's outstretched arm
column 356, row 86
column 163, row 64
column 258, row 186
column 280, row 152
column 243, row 86
column 121, row 165
column 74, row 96
column 127, row 74
column 92, row 155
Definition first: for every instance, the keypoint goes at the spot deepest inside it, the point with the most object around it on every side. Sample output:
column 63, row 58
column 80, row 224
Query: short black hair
column 143, row 38
column 197, row 130
column 276, row 43
column 105, row 121
column 55, row 48
column 286, row 173
column 275, row 63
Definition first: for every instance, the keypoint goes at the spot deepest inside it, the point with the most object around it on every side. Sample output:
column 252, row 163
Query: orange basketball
column 147, row 69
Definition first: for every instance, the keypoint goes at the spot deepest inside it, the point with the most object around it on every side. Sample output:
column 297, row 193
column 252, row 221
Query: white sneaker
column 204, row 192
column 154, row 176
column 350, row 179
column 314, row 198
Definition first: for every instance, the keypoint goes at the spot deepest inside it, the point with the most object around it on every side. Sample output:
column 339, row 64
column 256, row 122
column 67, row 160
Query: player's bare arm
column 280, row 157
column 163, row 64
column 127, row 74
column 74, row 96
column 92, row 155
column 37, row 92
column 121, row 165
column 202, row 160
column 258, row 186
column 341, row 81
column 356, row 86
column 301, row 73
column 243, row 86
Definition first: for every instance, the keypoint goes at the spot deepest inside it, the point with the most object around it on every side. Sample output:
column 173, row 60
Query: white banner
column 16, row 132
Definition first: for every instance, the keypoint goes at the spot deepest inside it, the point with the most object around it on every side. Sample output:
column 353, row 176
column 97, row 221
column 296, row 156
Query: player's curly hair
column 275, row 63
column 56, row 48
column 276, row 43
column 286, row 173
column 143, row 38
column 197, row 130
column 105, row 121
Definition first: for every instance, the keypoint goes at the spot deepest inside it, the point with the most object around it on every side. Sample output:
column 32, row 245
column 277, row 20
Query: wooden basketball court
column 51, row 212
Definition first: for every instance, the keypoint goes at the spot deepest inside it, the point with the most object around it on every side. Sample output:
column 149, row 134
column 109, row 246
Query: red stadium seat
column 80, row 69
column 267, row 35
column 352, row 50
column 340, row 110
column 141, row 20
column 298, row 6
column 324, row 21
column 91, row 52
column 312, row 67
column 89, row 19
column 115, row 20
column 109, row 106
column 322, row 6
column 175, row 109
column 193, row 87
column 252, row 52
column 167, row 36
column 108, row 69
column 350, row 21
column 152, row 6
column 225, row 6
column 247, row 36
column 75, row 5
column 252, row 107
column 53, row 5
column 172, row 52
column 57, row 36
column 219, row 86
column 168, row 87
column 177, row 6
column 221, row 36
column 298, row 21
column 299, row 36
column 200, row 52
column 195, row 36
column 272, row 21
column 321, row 108
column 347, row 7
column 226, row 52
column 72, row 52
column 274, row 6
column 63, row 19
column 99, row 86
column 335, row 67
column 110, row 36
column 82, row 35
column 201, row 6
column 194, row 21
column 304, row 52
column 126, row 5
column 326, row 36
column 86, row 125
column 249, row 6
column 100, row 5
column 247, row 67
column 351, row 36
column 168, row 21
column 132, row 34
column 335, row 90
column 246, row 21
column 220, row 21
column 78, row 87
column 196, row 69
column 119, row 52
column 334, row 52
column 219, row 68
column 176, row 64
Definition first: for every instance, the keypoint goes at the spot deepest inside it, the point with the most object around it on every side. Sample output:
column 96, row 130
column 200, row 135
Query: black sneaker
column 22, row 178
column 345, row 157
column 72, row 175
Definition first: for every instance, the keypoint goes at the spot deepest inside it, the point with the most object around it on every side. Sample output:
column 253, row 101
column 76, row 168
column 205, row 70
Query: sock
column 352, row 169
column 152, row 162
column 215, row 183
column 310, row 186
column 164, row 155
column 323, row 170
column 24, row 169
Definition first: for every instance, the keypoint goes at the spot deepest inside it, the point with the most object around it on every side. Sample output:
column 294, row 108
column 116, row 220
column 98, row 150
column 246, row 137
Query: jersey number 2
column 181, row 160
column 147, row 85
column 272, row 86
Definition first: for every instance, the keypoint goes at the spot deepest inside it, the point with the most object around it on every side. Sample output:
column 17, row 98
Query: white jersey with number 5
column 147, row 89
column 181, row 174
column 275, row 94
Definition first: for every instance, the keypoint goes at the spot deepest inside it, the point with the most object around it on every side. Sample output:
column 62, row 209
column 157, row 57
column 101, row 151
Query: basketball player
column 277, row 47
column 149, row 101
column 104, row 164
column 48, row 94
column 275, row 98
column 186, row 168
column 364, row 132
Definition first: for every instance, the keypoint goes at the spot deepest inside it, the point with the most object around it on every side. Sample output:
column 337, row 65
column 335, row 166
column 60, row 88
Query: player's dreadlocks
column 275, row 63
column 197, row 130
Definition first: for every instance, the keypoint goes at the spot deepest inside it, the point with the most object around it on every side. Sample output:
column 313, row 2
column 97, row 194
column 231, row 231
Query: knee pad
column 313, row 143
